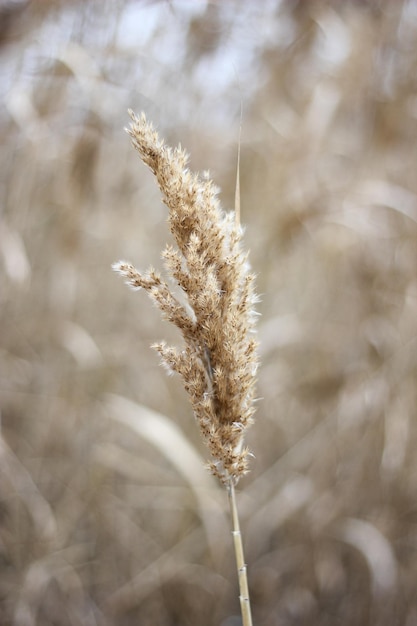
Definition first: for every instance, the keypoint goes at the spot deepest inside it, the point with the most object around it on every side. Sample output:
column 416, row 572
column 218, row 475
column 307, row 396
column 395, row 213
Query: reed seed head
column 214, row 309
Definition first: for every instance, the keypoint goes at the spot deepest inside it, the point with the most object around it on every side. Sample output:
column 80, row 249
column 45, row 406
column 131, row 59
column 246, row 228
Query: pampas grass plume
column 214, row 309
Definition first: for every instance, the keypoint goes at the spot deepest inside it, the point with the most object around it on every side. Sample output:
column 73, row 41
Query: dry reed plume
column 214, row 309
column 218, row 363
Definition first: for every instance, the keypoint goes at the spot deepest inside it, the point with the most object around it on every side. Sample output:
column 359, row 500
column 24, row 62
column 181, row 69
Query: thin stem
column 237, row 190
column 240, row 558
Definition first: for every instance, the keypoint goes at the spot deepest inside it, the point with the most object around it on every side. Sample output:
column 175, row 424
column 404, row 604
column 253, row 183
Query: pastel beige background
column 107, row 516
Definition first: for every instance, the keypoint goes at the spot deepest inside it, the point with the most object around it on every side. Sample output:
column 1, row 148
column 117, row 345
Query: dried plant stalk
column 214, row 310
column 242, row 572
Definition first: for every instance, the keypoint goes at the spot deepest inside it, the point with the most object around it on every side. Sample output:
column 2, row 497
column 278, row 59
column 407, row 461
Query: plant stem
column 240, row 559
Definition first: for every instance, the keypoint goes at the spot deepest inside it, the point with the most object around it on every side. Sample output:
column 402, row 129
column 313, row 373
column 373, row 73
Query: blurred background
column 107, row 515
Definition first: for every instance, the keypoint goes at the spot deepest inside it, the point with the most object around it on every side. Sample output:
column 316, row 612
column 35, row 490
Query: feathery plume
column 215, row 307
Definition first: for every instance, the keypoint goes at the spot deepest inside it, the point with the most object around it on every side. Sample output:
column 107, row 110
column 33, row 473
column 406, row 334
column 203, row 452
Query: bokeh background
column 107, row 516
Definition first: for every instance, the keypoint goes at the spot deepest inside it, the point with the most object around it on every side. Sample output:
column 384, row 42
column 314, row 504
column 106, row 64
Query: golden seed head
column 219, row 360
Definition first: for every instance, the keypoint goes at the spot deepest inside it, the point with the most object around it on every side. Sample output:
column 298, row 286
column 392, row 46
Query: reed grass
column 98, row 525
column 210, row 298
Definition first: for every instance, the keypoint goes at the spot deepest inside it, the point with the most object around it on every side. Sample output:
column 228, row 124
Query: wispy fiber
column 213, row 307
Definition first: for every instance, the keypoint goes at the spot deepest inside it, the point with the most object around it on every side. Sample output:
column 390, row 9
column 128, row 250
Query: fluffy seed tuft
column 219, row 361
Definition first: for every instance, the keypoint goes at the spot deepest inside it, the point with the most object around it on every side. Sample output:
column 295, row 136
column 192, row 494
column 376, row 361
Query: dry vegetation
column 107, row 516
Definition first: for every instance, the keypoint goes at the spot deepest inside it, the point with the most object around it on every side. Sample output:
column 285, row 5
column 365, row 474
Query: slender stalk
column 237, row 188
column 218, row 360
column 240, row 558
